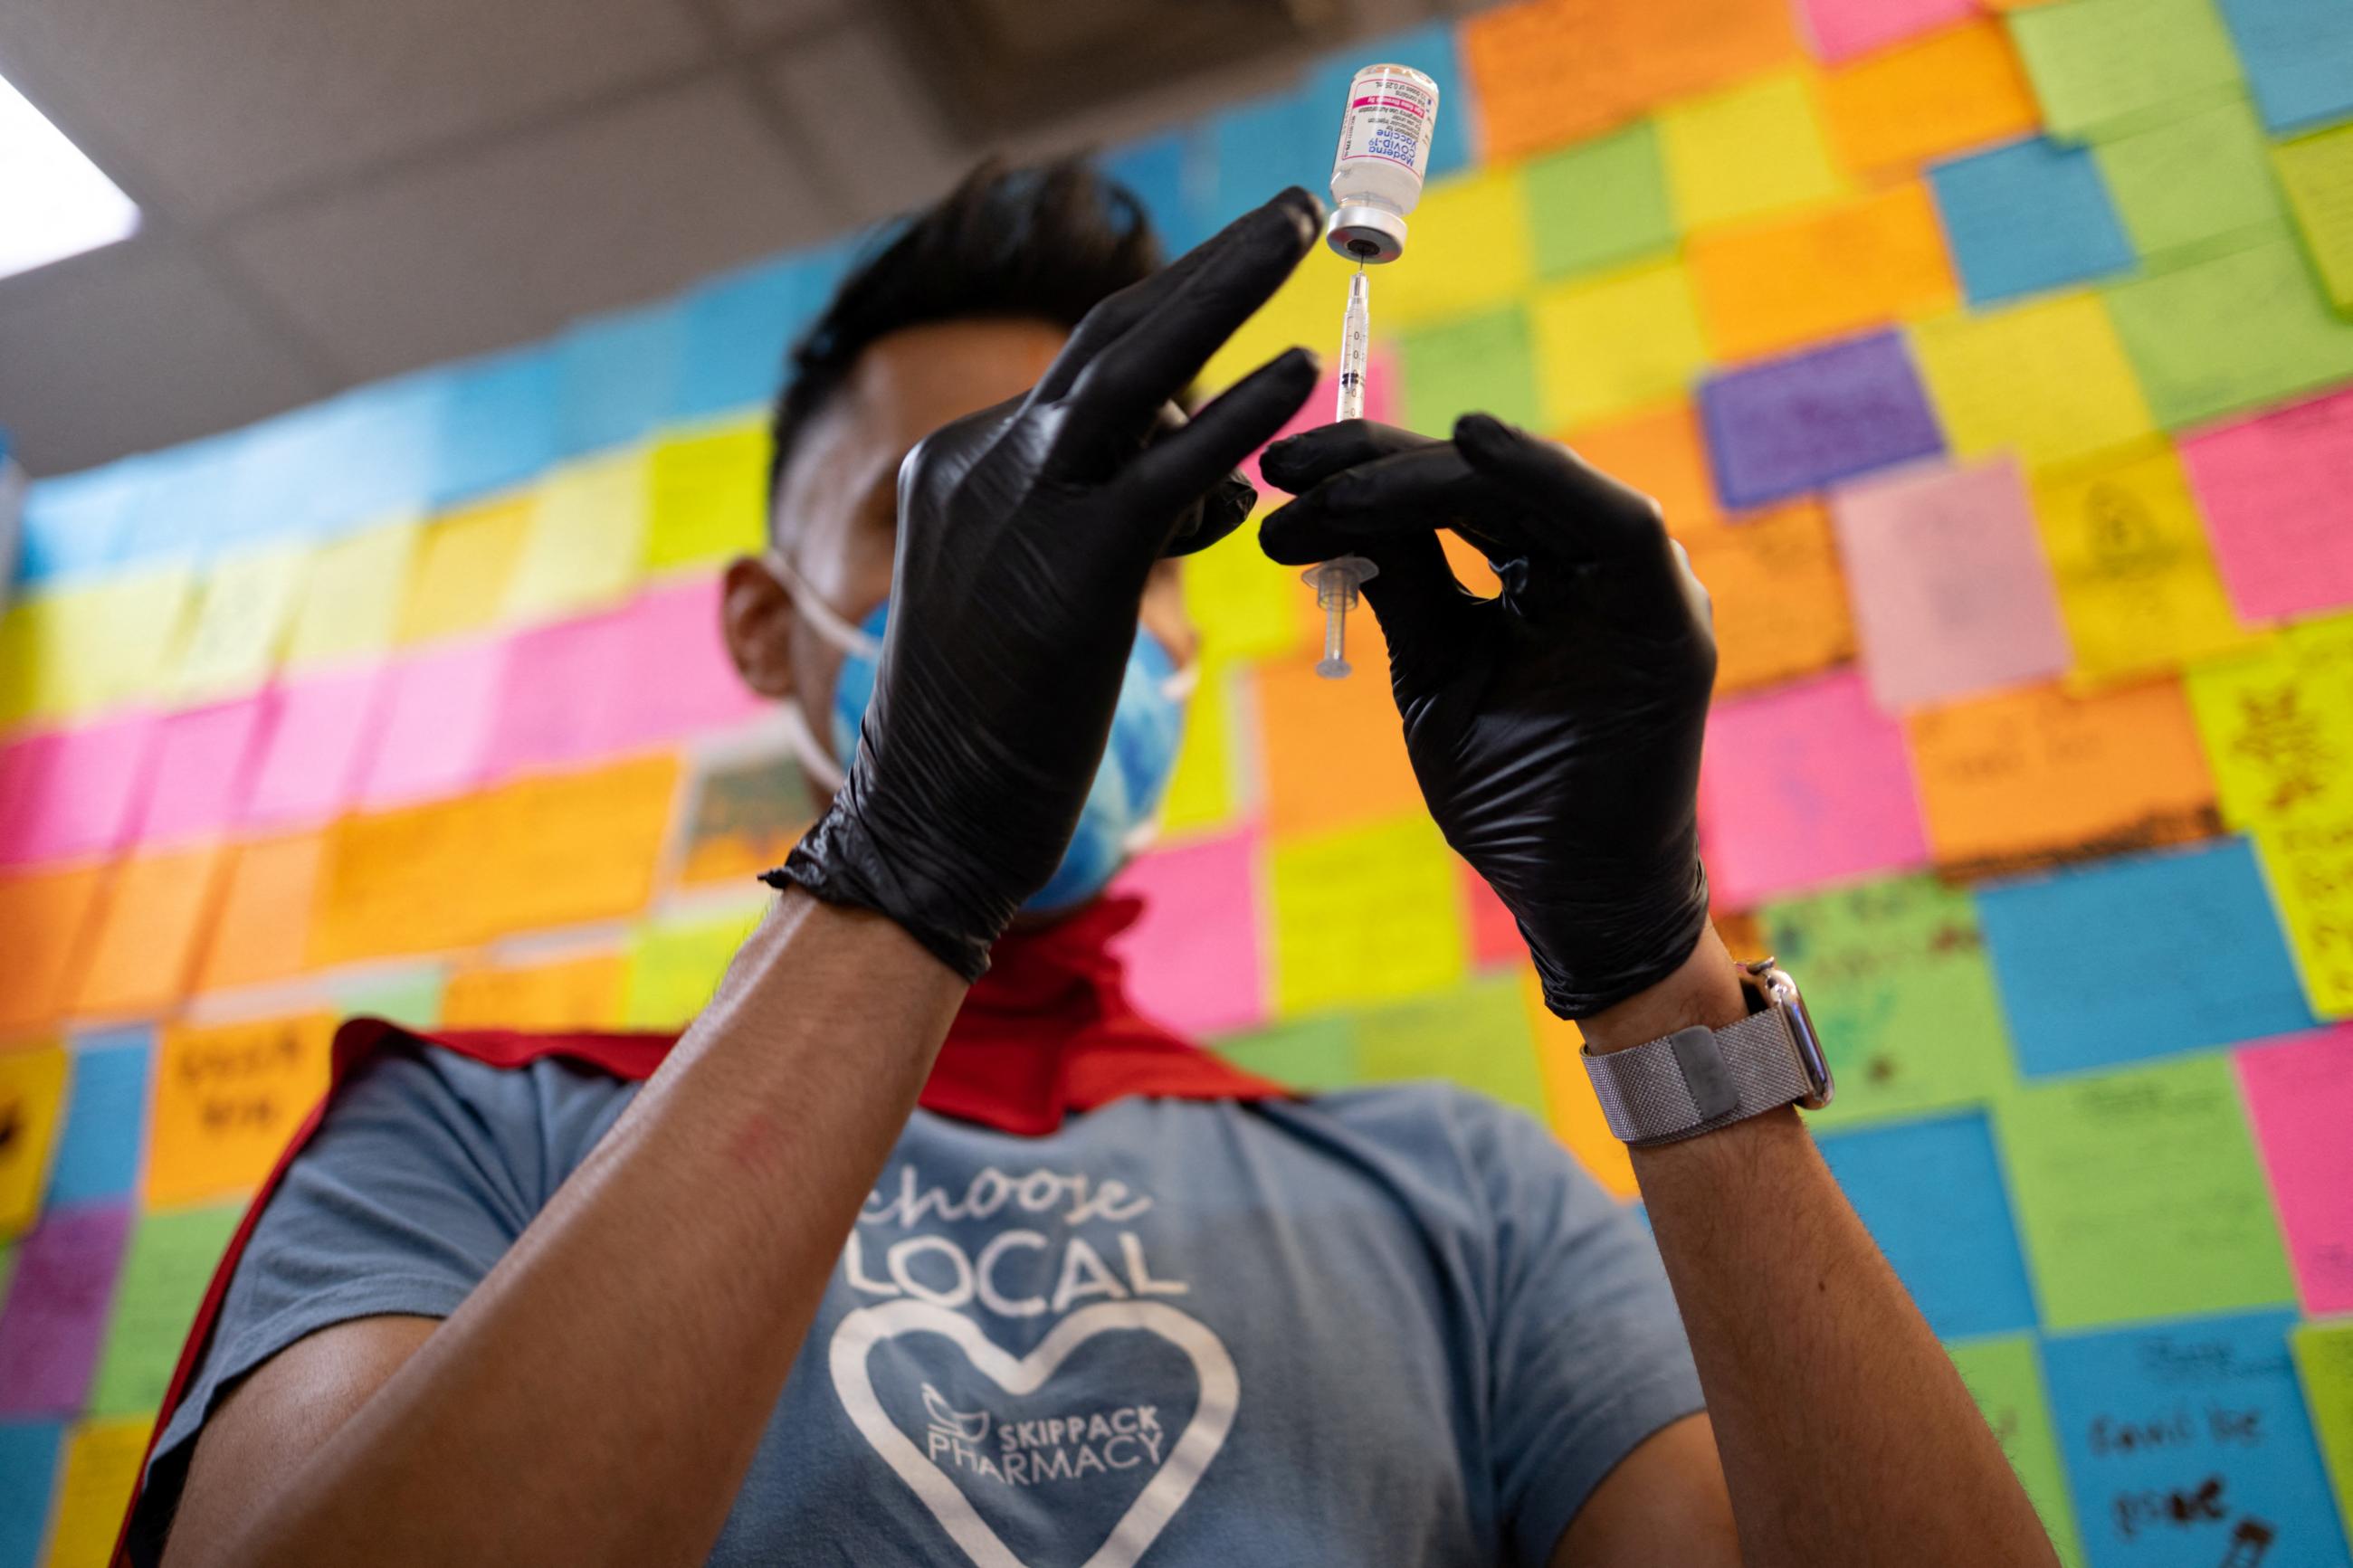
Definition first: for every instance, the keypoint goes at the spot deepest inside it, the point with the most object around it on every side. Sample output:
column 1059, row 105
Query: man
column 1097, row 1298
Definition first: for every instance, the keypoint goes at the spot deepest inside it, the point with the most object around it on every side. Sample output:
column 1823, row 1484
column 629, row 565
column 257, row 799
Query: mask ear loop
column 816, row 762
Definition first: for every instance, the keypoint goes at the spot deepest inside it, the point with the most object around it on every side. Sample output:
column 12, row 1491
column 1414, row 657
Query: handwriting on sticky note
column 1364, row 914
column 2139, row 1195
column 55, row 1317
column 32, row 1094
column 1777, row 592
column 1796, row 424
column 227, row 1098
column 2104, row 66
column 2309, row 864
column 2276, row 502
column 1869, row 262
column 2300, row 1097
column 2278, row 729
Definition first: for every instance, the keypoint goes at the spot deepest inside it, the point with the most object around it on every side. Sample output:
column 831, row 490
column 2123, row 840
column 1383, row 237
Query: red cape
column 1048, row 1031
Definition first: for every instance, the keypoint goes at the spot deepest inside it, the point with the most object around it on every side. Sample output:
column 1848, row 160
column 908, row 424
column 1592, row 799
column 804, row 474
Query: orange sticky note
column 582, row 993
column 1950, row 91
column 1660, row 452
column 401, row 881
column 564, row 848
column 44, row 921
column 1868, row 262
column 1335, row 750
column 464, row 562
column 227, row 1097
column 1780, row 597
column 265, row 912
column 1577, row 1118
column 152, row 926
column 2029, row 776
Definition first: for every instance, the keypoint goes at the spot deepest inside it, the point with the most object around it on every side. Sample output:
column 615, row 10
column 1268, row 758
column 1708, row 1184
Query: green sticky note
column 2105, row 68
column 1312, row 1054
column 2193, row 181
column 1482, row 362
column 1895, row 976
column 165, row 1272
column 676, row 963
column 2005, row 1377
column 1599, row 203
column 411, row 998
column 1476, row 1036
column 2139, row 1195
column 2323, row 1360
column 2230, row 332
column 2317, row 171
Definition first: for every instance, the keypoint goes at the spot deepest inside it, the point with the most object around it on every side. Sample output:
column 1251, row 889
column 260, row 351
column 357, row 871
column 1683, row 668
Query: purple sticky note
column 1803, row 787
column 54, row 1321
column 70, row 793
column 1795, row 424
column 1195, row 960
column 203, row 761
column 318, row 732
column 1952, row 594
column 557, row 706
column 440, row 708
column 681, row 679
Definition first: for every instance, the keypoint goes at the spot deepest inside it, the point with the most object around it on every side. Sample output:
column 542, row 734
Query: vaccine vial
column 1384, row 152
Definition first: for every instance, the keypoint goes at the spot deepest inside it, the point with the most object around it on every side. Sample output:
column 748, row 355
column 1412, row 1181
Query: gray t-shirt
column 1392, row 1325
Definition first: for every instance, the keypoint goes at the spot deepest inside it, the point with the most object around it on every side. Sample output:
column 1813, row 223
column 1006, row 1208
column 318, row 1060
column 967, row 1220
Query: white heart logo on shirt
column 1141, row 1525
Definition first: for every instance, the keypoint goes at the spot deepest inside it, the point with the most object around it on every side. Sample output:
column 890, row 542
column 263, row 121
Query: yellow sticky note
column 464, row 560
column 352, row 601
column 1954, row 88
column 77, row 650
column 578, row 992
column 2137, row 582
column 2048, row 381
column 227, row 1098
column 2308, row 863
column 1780, row 283
column 2317, row 172
column 1468, row 249
column 675, row 964
column 1202, row 792
column 94, row 1483
column 1243, row 605
column 32, row 1089
column 587, row 539
column 2277, row 725
column 707, row 496
column 1757, row 149
column 1577, row 1118
column 1776, row 591
column 1614, row 342
column 1365, row 914
column 245, row 607
column 1306, row 310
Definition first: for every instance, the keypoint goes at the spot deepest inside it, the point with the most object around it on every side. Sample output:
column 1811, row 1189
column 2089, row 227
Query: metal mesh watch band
column 1696, row 1080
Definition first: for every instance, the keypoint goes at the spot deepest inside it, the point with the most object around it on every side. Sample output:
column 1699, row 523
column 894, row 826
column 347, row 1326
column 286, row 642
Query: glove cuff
column 1645, row 944
column 837, row 862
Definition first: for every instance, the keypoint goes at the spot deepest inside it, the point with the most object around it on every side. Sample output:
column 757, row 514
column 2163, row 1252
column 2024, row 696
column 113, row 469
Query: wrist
column 1704, row 990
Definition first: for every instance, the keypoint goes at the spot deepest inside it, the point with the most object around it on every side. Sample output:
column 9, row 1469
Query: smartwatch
column 1698, row 1080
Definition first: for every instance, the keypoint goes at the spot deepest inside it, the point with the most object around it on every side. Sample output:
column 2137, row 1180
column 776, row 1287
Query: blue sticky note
column 1791, row 424
column 28, row 1464
column 106, row 1105
column 386, row 441
column 2187, row 1446
column 736, row 329
column 2298, row 59
column 1258, row 148
column 2139, row 956
column 498, row 427
column 186, row 507
column 615, row 377
column 1429, row 50
column 75, row 524
column 2026, row 217
column 1931, row 1193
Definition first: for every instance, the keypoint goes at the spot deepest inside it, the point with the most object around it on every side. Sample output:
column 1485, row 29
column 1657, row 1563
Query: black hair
column 1047, row 241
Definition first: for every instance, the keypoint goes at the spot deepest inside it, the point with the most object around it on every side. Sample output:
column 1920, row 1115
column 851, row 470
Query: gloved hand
column 1555, row 728
column 1026, row 535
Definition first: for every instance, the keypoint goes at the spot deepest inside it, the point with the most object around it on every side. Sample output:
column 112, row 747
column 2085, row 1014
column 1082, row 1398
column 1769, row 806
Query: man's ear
column 756, row 613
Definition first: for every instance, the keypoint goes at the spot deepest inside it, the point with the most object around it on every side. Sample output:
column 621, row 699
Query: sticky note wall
column 1992, row 361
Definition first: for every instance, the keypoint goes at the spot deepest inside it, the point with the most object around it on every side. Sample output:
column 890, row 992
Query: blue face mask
column 1121, row 811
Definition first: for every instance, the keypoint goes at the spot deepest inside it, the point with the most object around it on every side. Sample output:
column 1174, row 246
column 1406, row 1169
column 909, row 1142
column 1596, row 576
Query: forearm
column 599, row 1396
column 1845, row 1434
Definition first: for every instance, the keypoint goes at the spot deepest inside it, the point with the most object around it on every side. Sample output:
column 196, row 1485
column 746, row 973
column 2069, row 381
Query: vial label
column 1390, row 119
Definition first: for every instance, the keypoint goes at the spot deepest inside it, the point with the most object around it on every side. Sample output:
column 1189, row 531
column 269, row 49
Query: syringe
column 1336, row 581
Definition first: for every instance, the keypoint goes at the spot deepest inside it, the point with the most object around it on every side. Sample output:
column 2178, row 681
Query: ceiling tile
column 228, row 103
column 133, row 347
column 512, row 242
column 868, row 119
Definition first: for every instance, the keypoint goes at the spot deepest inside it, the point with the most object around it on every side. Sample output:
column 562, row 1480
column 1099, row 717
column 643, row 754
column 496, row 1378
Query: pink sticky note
column 560, row 703
column 55, row 1321
column 1952, row 594
column 1844, row 28
column 316, row 743
column 1380, row 404
column 679, row 681
column 2279, row 507
column 68, row 793
column 440, row 708
column 2299, row 1093
column 204, row 760
column 1194, row 960
column 1801, row 786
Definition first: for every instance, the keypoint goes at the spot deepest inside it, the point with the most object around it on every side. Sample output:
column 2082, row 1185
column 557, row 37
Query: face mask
column 1121, row 813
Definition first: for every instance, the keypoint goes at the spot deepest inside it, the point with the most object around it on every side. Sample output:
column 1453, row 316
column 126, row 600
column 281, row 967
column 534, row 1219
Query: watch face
column 1809, row 1044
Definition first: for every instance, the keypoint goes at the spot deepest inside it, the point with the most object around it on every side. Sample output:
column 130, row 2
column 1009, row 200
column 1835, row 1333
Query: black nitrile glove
column 1026, row 535
column 1555, row 728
